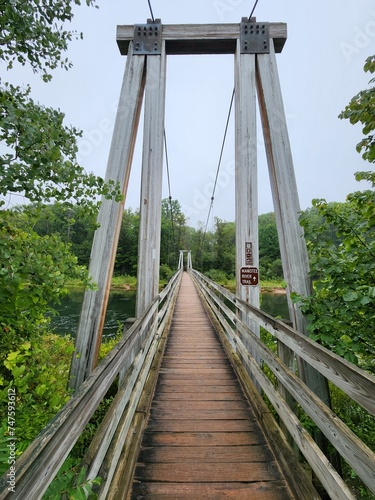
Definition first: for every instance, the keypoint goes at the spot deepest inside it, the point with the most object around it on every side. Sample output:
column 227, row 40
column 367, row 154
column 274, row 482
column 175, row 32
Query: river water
column 121, row 305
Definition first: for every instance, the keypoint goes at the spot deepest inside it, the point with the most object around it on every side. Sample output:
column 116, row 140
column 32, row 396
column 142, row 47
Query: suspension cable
column 152, row 14
column 218, row 169
column 221, row 154
column 169, row 192
column 167, row 162
column 252, row 12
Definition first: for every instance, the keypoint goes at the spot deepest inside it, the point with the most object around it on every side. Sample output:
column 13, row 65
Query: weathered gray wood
column 324, row 470
column 299, row 478
column 122, row 430
column 135, row 405
column 201, row 38
column 105, row 242
column 183, row 338
column 286, row 203
column 353, row 450
column 181, row 260
column 288, row 358
column 246, row 169
column 39, row 464
column 189, row 262
column 98, row 448
column 356, row 383
column 246, row 178
column 102, row 439
column 283, row 184
column 151, row 184
column 296, row 476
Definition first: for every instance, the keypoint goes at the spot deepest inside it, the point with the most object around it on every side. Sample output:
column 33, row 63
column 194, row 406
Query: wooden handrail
column 356, row 383
column 353, row 381
column 39, row 464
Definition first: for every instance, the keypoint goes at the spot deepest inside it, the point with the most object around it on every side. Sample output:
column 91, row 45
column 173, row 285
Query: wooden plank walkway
column 202, row 440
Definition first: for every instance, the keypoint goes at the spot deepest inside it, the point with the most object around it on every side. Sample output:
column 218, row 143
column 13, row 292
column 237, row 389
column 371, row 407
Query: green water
column 121, row 305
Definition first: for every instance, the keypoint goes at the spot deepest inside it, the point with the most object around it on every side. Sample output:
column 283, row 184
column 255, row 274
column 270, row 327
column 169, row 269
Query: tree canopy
column 34, row 33
column 361, row 109
column 39, row 150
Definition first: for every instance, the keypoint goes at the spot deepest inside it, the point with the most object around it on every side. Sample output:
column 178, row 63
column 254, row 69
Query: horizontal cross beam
column 185, row 39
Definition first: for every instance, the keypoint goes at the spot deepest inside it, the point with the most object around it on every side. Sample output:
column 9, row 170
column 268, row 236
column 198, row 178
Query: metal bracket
column 254, row 37
column 148, row 38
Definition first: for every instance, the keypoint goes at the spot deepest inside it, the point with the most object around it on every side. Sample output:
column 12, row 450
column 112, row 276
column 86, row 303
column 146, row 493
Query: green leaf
column 350, row 296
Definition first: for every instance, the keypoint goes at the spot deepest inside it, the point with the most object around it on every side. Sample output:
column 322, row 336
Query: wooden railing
column 356, row 383
column 131, row 360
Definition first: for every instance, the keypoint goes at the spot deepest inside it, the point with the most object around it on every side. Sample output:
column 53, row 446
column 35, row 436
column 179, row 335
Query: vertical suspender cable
column 152, row 14
column 252, row 12
column 170, row 193
column 217, row 173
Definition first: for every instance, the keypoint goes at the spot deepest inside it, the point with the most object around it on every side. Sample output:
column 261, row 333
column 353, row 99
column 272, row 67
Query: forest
column 212, row 251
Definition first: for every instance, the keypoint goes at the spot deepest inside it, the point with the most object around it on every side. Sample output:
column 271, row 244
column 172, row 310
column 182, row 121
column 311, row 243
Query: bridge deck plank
column 202, row 439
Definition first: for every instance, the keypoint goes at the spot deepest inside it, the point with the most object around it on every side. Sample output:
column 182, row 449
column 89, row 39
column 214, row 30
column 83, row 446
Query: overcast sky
column 321, row 68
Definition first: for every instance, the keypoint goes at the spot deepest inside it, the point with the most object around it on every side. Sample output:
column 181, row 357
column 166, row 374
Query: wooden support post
column 181, row 260
column 247, row 247
column 286, row 203
column 151, row 188
column 105, row 242
column 283, row 184
column 189, row 262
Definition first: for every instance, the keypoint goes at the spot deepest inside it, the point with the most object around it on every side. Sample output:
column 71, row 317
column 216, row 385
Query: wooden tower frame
column 254, row 46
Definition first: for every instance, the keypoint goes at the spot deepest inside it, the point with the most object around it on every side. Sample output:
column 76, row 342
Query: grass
column 272, row 284
column 118, row 283
column 269, row 285
column 127, row 282
column 124, row 282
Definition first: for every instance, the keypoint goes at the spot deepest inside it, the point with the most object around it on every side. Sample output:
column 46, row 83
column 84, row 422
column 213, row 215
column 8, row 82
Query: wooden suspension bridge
column 188, row 419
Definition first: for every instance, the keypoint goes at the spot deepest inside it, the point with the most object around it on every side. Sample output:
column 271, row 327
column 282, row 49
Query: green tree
column 72, row 223
column 225, row 246
column 203, row 249
column 269, row 249
column 31, row 278
column 361, row 109
column 127, row 251
column 341, row 313
column 33, row 32
column 39, row 158
column 173, row 232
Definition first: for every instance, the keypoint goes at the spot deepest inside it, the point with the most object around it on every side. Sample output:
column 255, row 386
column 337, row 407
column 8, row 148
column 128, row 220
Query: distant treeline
column 212, row 252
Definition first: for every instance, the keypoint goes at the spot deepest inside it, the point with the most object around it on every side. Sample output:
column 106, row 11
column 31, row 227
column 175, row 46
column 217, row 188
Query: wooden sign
column 248, row 253
column 249, row 276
